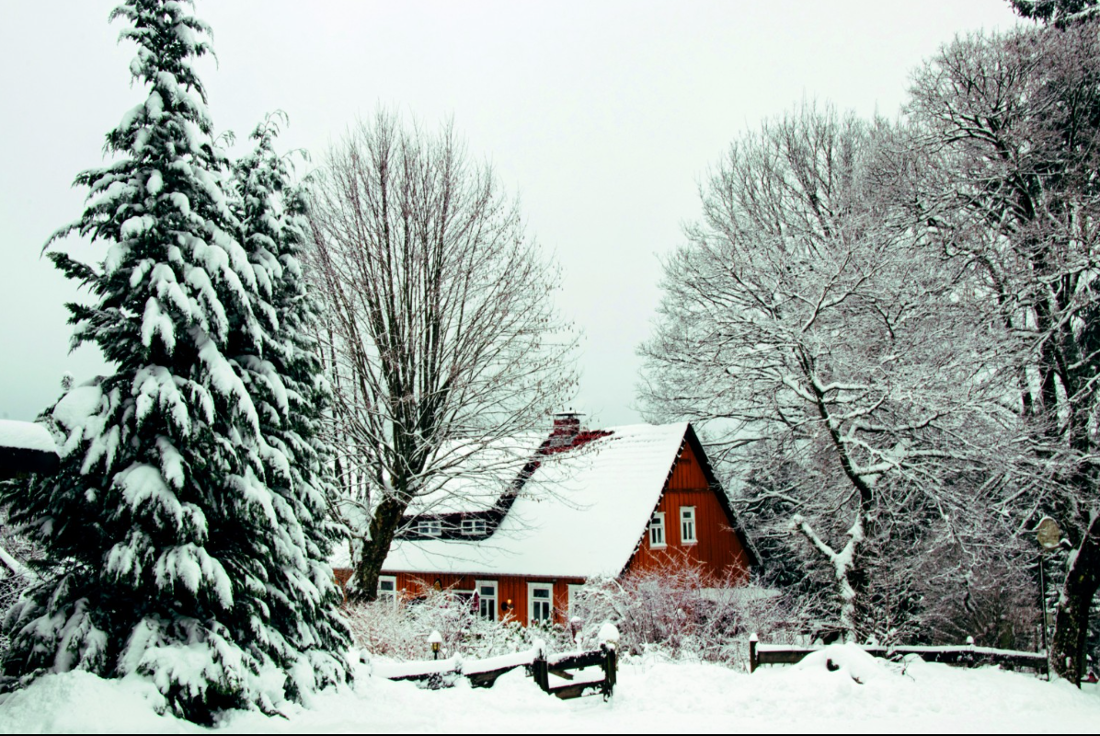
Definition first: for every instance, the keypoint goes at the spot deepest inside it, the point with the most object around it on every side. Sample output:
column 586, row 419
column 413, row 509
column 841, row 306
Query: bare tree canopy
column 837, row 372
column 442, row 337
column 1010, row 130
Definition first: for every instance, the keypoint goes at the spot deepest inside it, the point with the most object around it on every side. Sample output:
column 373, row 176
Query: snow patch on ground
column 652, row 695
column 80, row 702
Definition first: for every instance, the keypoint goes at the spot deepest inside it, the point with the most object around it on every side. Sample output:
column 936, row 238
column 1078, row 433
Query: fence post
column 753, row 661
column 610, row 666
column 540, row 671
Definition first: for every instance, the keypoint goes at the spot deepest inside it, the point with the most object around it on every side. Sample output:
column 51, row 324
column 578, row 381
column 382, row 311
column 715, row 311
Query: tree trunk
column 1071, row 623
column 850, row 572
column 383, row 525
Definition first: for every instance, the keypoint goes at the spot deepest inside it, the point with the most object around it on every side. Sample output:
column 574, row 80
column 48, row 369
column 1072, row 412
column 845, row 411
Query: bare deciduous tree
column 442, row 338
column 1011, row 128
column 801, row 326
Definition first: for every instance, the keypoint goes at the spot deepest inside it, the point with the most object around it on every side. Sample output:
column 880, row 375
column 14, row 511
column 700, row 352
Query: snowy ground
column 651, row 696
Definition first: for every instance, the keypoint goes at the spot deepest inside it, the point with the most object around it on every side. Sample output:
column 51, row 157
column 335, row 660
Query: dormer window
column 429, row 528
column 474, row 527
column 657, row 530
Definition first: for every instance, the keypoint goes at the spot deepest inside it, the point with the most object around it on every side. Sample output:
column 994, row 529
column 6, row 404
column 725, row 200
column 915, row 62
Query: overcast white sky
column 602, row 115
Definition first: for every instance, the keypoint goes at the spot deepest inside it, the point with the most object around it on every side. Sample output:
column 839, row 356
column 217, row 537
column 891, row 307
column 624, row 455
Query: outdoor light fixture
column 435, row 640
column 506, row 606
column 1049, row 535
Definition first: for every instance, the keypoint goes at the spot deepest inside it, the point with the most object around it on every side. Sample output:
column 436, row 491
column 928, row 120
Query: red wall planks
column 718, row 549
column 509, row 587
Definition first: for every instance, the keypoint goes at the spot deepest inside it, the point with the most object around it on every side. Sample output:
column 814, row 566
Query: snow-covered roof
column 26, row 448
column 26, row 436
column 475, row 474
column 580, row 514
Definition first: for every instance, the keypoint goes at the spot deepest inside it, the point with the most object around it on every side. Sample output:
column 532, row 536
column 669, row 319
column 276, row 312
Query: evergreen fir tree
column 173, row 558
column 286, row 383
column 1056, row 12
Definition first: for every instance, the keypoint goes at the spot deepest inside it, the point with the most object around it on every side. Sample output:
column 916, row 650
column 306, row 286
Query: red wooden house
column 581, row 504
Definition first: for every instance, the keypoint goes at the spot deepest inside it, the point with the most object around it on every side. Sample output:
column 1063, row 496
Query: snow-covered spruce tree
column 286, row 384
column 171, row 555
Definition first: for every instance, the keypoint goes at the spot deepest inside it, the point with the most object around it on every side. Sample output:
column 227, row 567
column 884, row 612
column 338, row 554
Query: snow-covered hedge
column 677, row 611
column 15, row 550
column 400, row 630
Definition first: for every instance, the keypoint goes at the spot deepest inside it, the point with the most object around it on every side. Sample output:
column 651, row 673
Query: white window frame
column 689, row 524
column 474, row 527
column 531, row 601
column 572, row 590
column 658, row 539
column 429, row 528
column 481, row 598
column 392, row 594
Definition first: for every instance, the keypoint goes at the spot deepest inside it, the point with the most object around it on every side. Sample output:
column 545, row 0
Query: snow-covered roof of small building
column 26, row 436
column 580, row 514
column 26, row 448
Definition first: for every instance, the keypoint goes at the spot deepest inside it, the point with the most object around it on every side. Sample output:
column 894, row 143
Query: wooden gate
column 601, row 665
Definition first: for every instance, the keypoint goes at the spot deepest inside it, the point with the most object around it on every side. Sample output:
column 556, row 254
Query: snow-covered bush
column 400, row 630
column 14, row 547
column 681, row 612
column 996, row 602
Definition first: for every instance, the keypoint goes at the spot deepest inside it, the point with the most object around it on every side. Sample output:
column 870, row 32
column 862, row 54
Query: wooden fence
column 582, row 672
column 569, row 667
column 966, row 655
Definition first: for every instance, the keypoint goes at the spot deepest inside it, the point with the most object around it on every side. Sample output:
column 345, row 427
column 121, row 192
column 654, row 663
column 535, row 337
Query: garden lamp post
column 435, row 639
column 1050, row 538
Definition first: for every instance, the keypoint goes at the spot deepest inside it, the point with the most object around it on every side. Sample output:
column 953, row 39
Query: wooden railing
column 582, row 672
column 966, row 655
column 568, row 667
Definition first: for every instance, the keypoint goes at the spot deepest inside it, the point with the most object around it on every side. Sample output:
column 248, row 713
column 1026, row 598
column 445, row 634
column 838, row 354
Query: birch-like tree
column 441, row 338
column 837, row 373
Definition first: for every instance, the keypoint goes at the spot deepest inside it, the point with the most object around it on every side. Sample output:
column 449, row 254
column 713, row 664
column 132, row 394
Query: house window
column 473, row 527
column 687, row 525
column 487, row 599
column 572, row 601
column 657, row 530
column 429, row 527
column 387, row 588
column 540, row 602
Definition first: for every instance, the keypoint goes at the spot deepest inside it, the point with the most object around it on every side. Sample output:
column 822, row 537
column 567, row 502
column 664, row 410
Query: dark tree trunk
column 383, row 526
column 1071, row 623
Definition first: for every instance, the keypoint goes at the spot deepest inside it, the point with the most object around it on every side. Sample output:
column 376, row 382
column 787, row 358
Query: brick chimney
column 567, row 426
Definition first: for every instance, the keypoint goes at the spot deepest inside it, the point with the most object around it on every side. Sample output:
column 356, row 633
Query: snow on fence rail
column 966, row 655
column 484, row 673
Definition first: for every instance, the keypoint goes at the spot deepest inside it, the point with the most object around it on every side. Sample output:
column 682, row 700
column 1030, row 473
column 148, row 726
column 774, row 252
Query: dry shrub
column 400, row 630
column 681, row 612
